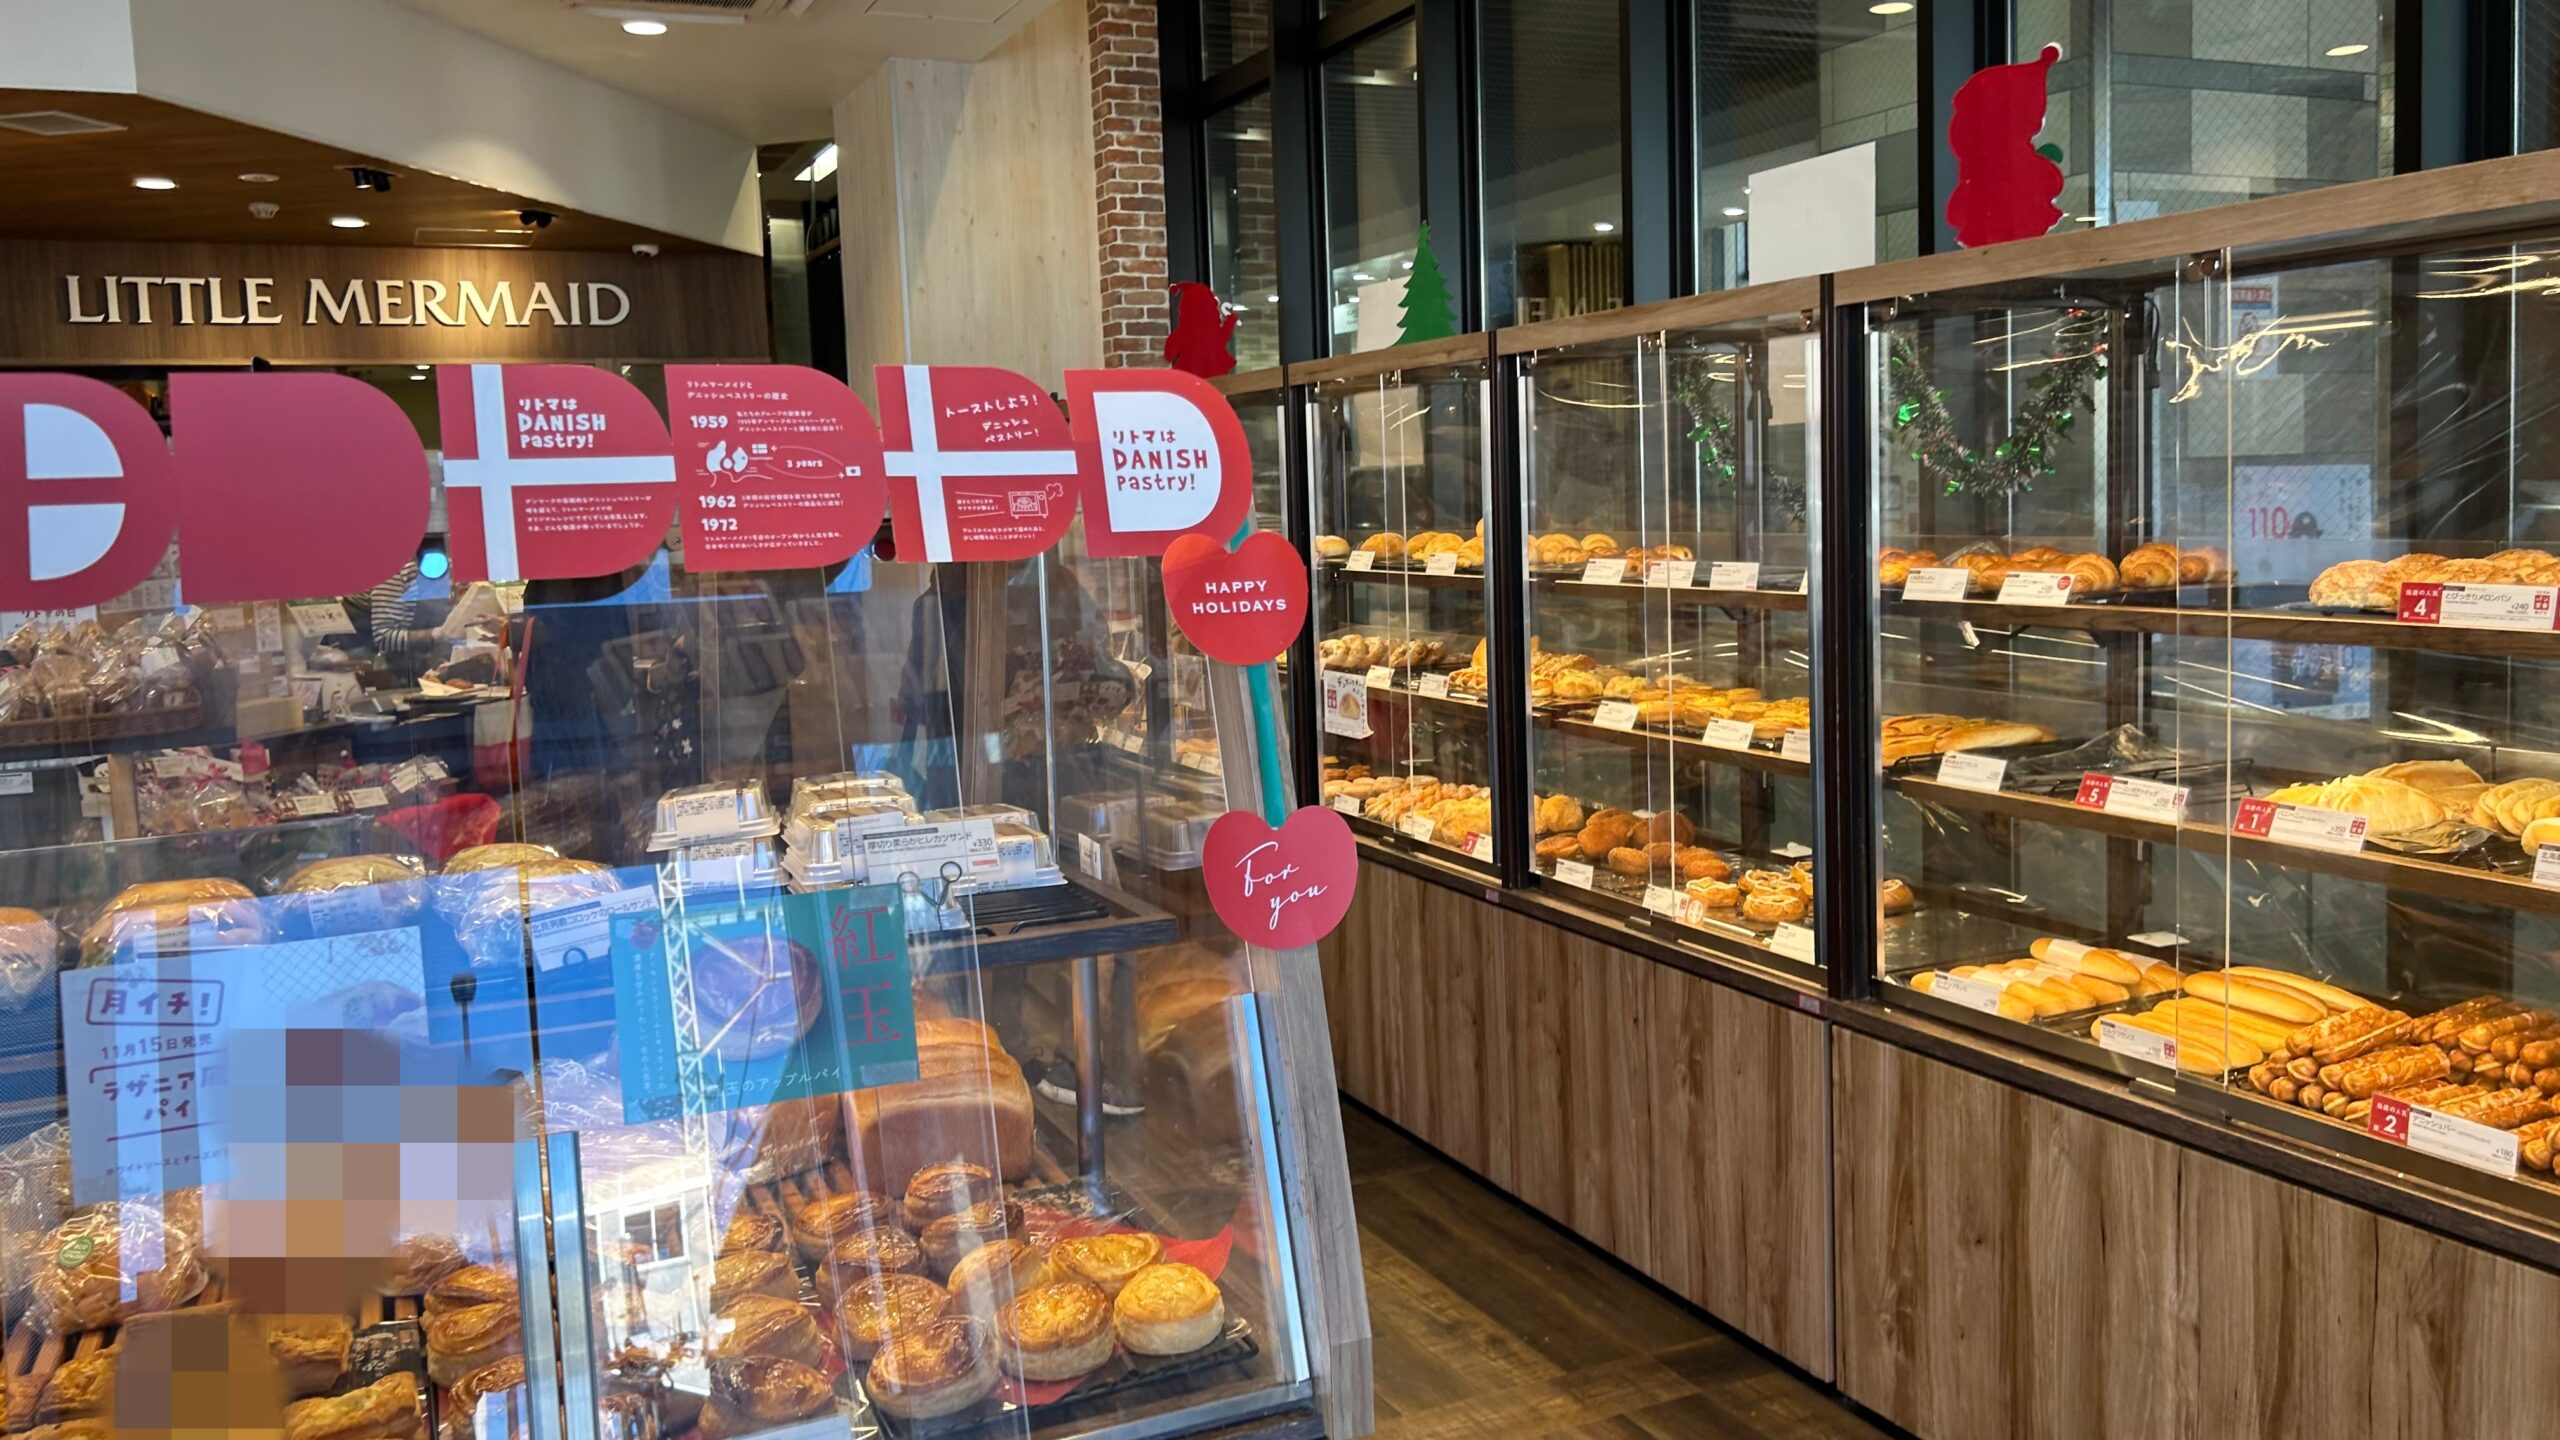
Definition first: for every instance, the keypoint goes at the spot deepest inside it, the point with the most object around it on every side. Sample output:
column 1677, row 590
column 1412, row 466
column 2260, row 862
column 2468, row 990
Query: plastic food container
column 841, row 824
column 706, row 814
column 1106, row 816
column 847, row 785
column 726, row 865
column 1175, row 833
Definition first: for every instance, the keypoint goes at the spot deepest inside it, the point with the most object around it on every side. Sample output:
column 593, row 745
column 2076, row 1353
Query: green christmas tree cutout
column 1426, row 311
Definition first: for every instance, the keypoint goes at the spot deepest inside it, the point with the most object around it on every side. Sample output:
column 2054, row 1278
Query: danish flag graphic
column 90, row 493
column 981, row 464
column 551, row 472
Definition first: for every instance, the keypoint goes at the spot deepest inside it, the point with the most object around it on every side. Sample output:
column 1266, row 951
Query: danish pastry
column 880, row 1250
column 1773, row 905
column 1107, row 1261
column 1894, row 897
column 387, row 1409
column 816, row 1225
column 762, row 1392
column 472, row 1337
column 471, row 1285
column 753, row 1230
column 872, row 1312
column 763, row 1325
column 1628, row 861
column 1169, row 1309
column 952, row 1236
column 947, row 1189
column 1560, row 847
column 1715, row 894
column 987, row 1278
column 1056, row 1331
column 1600, row 545
column 1386, row 545
column 940, row 1367
column 752, row 1272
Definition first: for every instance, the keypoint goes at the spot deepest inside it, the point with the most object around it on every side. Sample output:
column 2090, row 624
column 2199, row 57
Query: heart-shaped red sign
column 1281, row 888
column 1242, row 608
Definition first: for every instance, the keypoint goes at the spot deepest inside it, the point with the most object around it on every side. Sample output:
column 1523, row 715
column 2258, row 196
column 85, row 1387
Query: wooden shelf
column 1398, row 573
column 2367, row 631
column 2452, row 882
column 1690, row 594
column 1689, row 746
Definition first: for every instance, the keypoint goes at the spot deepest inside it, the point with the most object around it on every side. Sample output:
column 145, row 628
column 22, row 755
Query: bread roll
column 2538, row 833
column 939, row 1367
column 1990, row 735
column 2319, row 991
column 2272, row 1001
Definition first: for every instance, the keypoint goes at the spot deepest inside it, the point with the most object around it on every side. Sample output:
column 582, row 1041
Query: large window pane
column 1372, row 185
column 2537, row 76
column 1553, row 131
column 1786, row 80
column 1232, row 31
column 2204, row 102
column 1244, row 256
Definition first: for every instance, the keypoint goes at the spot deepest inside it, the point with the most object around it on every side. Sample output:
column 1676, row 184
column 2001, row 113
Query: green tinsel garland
column 1711, row 429
column 2026, row 452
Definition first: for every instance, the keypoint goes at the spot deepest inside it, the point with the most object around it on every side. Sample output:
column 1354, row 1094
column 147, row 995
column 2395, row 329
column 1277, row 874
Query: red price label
column 2421, row 602
column 2094, row 789
column 2256, row 817
column 2389, row 1119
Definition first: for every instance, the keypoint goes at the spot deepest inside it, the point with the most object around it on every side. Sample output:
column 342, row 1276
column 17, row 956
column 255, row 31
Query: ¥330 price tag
column 2126, row 795
column 2304, row 825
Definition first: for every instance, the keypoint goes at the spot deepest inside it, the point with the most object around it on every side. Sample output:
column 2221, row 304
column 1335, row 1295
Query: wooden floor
column 1491, row 1322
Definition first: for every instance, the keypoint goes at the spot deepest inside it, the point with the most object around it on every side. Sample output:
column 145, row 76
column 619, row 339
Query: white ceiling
column 768, row 79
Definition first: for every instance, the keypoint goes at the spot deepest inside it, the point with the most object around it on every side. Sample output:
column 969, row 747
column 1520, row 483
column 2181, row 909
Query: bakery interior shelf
column 1078, row 917
column 1451, row 701
column 2453, row 882
column 2374, row 631
column 1574, row 585
column 1402, row 574
column 1691, row 746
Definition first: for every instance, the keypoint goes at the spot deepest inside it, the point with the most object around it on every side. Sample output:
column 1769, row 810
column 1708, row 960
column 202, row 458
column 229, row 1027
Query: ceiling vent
column 50, row 123
column 976, row 12
column 724, row 12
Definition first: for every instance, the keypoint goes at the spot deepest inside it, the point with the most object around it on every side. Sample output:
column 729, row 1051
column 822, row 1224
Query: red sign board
column 551, row 472
column 1242, row 608
column 981, row 466
column 273, row 467
column 91, row 490
column 1280, row 888
column 777, row 466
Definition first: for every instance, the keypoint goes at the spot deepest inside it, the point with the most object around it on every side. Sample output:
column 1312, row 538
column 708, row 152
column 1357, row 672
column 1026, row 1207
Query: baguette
column 2199, row 1052
column 2272, row 1001
column 2088, row 960
column 1992, row 735
column 2258, row 1030
column 2327, row 995
column 2157, row 979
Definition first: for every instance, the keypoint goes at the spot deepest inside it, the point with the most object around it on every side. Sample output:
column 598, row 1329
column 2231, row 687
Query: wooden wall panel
column 2005, row 1263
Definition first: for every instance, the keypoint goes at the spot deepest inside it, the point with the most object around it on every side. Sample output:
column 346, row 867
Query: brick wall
column 1128, row 177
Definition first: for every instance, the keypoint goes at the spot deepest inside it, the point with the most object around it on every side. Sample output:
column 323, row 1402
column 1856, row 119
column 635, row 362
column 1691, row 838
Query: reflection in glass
column 1372, row 185
column 1552, row 129
column 1232, row 31
column 1244, row 223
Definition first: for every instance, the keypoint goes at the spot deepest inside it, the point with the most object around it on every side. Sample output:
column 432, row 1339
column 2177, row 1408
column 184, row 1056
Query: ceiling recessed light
column 1734, row 212
column 154, row 182
column 347, row 222
column 1604, row 226
column 644, row 27
column 257, row 177
column 1890, row 7
column 1271, row 299
column 421, row 375
column 1408, row 264
column 2086, row 219
column 1362, row 275
column 2341, row 52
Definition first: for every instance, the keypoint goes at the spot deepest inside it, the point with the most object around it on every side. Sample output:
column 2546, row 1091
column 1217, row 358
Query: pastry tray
column 1629, row 891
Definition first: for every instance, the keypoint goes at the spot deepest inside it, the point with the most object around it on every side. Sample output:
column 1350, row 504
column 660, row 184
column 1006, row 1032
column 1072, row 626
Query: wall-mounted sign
column 71, row 302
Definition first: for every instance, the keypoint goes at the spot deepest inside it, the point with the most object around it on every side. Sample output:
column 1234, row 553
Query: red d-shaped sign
column 87, row 493
column 1160, row 454
column 551, row 472
column 293, row 485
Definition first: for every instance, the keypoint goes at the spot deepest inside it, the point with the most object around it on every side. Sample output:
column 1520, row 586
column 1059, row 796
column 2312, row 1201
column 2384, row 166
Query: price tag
column 1734, row 575
column 1671, row 573
column 2158, row 939
column 1797, row 745
column 1435, row 686
column 1729, row 734
column 1793, row 941
column 18, row 782
column 1480, row 847
column 1416, row 827
column 2304, row 825
column 315, row 618
column 1967, row 771
column 1934, row 584
column 305, row 806
column 1133, row 744
column 2432, row 1132
column 2126, row 795
column 269, row 620
column 1381, row 677
column 1576, row 873
column 1615, row 715
column 1362, row 561
column 368, row 797
column 695, row 817
column 1348, row 805
column 1443, row 563
column 1611, row 571
column 2135, row 1043
column 2388, row 1119
column 1346, row 704
column 1197, row 761
column 1971, row 994
column 2480, row 607
column 2039, row 587
column 1089, row 854
column 2546, row 867
column 1662, row 900
column 1793, row 851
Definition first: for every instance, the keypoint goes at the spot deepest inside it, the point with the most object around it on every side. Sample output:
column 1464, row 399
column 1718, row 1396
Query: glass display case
column 2217, row 605
column 1666, row 478
column 1398, row 462
column 676, row 1002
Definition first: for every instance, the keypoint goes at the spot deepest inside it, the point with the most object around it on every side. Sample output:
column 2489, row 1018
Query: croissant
column 2091, row 574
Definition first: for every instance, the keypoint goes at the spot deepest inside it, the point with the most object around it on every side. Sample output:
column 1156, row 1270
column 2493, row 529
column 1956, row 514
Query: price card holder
column 1971, row 994
column 2546, row 867
column 2480, row 607
column 1662, row 900
column 1797, row 745
column 2135, row 1043
column 1611, row 571
column 1734, row 575
column 2036, row 588
column 1347, row 805
column 1380, row 677
column 1793, row 941
column 1615, row 715
column 2304, row 825
column 2432, row 1132
column 1362, row 561
column 1729, row 734
column 1576, row 873
column 1967, row 771
column 1480, row 847
column 17, row 782
column 1443, row 563
column 312, row 806
column 1671, row 574
column 1416, row 827
column 368, row 797
column 1434, row 686
column 1089, row 855
column 1937, row 584
column 2126, row 795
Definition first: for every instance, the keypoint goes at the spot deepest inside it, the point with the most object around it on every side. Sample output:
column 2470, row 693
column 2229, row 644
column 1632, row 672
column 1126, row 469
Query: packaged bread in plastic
column 350, row 894
column 30, row 953
column 110, row 1262
column 490, row 918
column 174, row 917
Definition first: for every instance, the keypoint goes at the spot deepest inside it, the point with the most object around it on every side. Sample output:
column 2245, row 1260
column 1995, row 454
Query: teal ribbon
column 1264, row 693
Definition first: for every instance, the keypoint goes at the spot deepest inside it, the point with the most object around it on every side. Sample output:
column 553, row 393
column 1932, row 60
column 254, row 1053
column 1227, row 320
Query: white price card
column 1135, row 745
column 1729, row 734
column 2480, row 607
column 1435, row 686
column 695, row 817
column 2157, row 939
column 1662, row 900
column 1194, row 760
column 2546, row 867
column 1967, row 771
column 2135, row 1043
column 1936, row 584
column 269, row 621
column 368, row 797
column 2432, row 1132
column 1793, row 851
column 1971, row 994
column 1797, row 745
column 1362, row 560
column 1674, row 574
column 17, row 782
column 1615, row 715
column 1480, row 847
column 1381, row 677
column 1576, row 873
column 1089, row 854
column 1793, row 941
column 306, row 806
column 2036, row 587
column 1346, row 704
column 2304, row 825
column 1734, row 575
column 1348, row 805
column 1443, row 563
column 1609, row 571
column 315, row 618
column 1416, row 827
column 578, row 934
column 2126, row 795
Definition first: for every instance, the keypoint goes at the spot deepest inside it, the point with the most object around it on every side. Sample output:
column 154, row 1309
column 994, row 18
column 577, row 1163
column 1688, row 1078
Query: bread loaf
column 2319, row 992
column 2271, row 1001
column 969, row 1102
